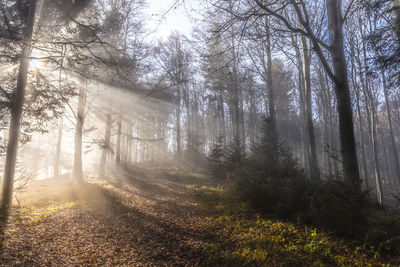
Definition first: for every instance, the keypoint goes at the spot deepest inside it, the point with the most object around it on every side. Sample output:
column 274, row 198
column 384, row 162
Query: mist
column 199, row 133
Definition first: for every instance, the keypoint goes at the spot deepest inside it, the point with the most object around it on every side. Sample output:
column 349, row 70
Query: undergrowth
column 246, row 238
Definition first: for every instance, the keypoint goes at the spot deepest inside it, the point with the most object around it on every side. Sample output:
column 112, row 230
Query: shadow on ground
column 142, row 218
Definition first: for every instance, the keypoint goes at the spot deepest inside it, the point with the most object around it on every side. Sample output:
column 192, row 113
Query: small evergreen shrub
column 217, row 161
column 336, row 207
column 270, row 179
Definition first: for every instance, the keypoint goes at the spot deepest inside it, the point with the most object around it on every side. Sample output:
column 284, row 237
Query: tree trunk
column 178, row 121
column 374, row 140
column 390, row 126
column 386, row 169
column 270, row 85
column 189, row 144
column 77, row 172
column 301, row 90
column 356, row 89
column 326, row 110
column 129, row 143
column 252, row 119
column 106, row 147
column 221, row 116
column 361, row 130
column 342, row 90
column 313, row 162
column 235, row 97
column 16, row 112
column 119, row 132
column 56, row 171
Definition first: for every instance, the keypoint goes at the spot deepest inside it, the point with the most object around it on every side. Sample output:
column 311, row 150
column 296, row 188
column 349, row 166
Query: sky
column 166, row 16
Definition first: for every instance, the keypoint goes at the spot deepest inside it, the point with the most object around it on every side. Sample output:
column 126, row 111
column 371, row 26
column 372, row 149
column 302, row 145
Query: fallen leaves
column 143, row 221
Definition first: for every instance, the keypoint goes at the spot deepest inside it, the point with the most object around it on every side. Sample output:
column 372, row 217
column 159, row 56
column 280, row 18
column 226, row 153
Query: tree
column 313, row 162
column 16, row 109
column 174, row 60
column 80, row 118
column 337, row 73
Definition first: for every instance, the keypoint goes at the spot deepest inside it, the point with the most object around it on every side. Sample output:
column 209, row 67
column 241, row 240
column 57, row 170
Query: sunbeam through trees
column 200, row 132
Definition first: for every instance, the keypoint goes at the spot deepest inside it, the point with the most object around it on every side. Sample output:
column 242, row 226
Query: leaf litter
column 136, row 220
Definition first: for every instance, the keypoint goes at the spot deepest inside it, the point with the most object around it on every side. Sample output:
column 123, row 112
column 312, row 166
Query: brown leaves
column 142, row 222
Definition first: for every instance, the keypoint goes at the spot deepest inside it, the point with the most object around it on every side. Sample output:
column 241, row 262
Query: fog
column 271, row 102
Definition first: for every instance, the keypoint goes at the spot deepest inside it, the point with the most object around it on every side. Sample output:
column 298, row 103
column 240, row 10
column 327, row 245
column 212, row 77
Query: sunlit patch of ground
column 139, row 218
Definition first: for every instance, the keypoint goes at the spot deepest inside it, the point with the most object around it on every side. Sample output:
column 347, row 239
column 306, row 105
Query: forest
column 200, row 133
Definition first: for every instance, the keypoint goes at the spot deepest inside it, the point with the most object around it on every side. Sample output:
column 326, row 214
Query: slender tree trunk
column 137, row 144
column 361, row 130
column 236, row 115
column 77, row 172
column 270, row 85
column 374, row 140
column 334, row 146
column 356, row 89
column 241, row 120
column 221, row 117
column 345, row 112
column 129, row 144
column 16, row 111
column 372, row 123
column 119, row 132
column 370, row 110
column 178, row 121
column 332, row 125
column 188, row 119
column 300, row 70
column 106, row 147
column 126, row 142
column 386, row 170
column 252, row 119
column 313, row 162
column 196, row 118
column 326, row 106
column 58, row 148
column 235, row 98
column 327, row 140
column 390, row 126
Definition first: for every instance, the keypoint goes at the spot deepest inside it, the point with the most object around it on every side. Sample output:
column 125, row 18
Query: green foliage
column 216, row 160
column 337, row 207
column 245, row 238
column 383, row 230
column 234, row 156
column 271, row 180
column 224, row 159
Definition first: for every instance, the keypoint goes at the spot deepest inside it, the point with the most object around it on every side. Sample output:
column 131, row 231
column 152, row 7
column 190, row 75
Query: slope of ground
column 242, row 237
column 145, row 218
column 148, row 217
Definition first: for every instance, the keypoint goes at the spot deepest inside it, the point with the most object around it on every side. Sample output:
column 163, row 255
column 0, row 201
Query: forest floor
column 161, row 217
column 143, row 218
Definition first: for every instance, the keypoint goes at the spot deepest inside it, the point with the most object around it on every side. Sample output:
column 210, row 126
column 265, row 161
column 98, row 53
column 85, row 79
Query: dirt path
column 144, row 219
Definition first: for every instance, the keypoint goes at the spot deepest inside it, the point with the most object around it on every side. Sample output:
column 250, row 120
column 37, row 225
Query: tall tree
column 390, row 126
column 80, row 119
column 337, row 73
column 106, row 146
column 313, row 162
column 16, row 109
column 57, row 157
